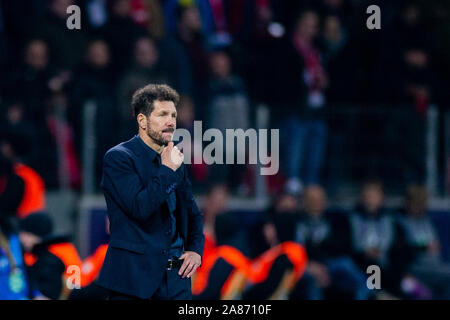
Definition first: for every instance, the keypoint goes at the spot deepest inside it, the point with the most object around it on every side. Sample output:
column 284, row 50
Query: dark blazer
column 136, row 194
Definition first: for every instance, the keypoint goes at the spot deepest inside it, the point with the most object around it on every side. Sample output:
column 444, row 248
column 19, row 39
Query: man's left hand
column 191, row 261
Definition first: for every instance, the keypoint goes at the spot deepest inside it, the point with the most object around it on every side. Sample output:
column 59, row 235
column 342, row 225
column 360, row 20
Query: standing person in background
column 120, row 32
column 198, row 172
column 301, row 84
column 228, row 108
column 156, row 227
column 145, row 68
column 95, row 82
column 31, row 80
column 185, row 49
column 228, row 102
column 66, row 46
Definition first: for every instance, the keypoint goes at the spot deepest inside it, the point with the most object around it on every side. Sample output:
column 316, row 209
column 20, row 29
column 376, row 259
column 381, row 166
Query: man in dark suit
column 156, row 227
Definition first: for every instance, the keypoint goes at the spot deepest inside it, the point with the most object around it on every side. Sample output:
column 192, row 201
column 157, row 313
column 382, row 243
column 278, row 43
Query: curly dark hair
column 143, row 98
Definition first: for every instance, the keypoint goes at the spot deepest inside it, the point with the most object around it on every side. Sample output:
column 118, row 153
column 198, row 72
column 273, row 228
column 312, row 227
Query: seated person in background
column 12, row 188
column 326, row 237
column 374, row 236
column 47, row 256
column 278, row 224
column 26, row 190
column 424, row 263
column 276, row 227
column 214, row 203
column 219, row 228
column 13, row 281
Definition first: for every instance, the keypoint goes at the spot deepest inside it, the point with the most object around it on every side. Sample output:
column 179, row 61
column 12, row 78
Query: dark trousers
column 172, row 287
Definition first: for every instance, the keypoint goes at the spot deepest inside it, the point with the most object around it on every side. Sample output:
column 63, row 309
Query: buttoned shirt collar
column 154, row 156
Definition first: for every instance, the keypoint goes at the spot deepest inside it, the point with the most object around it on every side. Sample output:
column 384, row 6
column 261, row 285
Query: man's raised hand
column 172, row 157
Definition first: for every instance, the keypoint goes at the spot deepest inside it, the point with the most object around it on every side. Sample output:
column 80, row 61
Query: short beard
column 157, row 137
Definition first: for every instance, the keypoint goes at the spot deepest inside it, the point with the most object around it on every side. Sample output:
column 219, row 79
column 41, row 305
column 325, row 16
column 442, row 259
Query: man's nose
column 171, row 123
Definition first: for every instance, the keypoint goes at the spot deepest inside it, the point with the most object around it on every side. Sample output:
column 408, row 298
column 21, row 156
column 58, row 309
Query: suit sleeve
column 122, row 183
column 196, row 238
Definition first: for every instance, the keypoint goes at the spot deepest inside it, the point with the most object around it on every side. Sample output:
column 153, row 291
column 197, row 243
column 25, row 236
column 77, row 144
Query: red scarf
column 313, row 66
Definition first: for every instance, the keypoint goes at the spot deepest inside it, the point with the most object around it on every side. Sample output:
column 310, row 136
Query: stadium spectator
column 342, row 9
column 66, row 48
column 279, row 224
column 198, row 172
column 37, row 82
column 408, row 60
column 423, row 261
column 189, row 34
column 31, row 80
column 275, row 227
column 12, row 189
column 148, row 14
column 67, row 171
column 340, row 60
column 228, row 108
column 47, row 256
column 214, row 204
column 326, row 237
column 120, row 33
column 145, row 68
column 325, row 234
column 13, row 281
column 13, row 123
column 228, row 102
column 95, row 82
column 303, row 98
column 31, row 196
column 411, row 82
column 186, row 114
column 185, row 49
column 372, row 227
column 375, row 237
column 223, row 226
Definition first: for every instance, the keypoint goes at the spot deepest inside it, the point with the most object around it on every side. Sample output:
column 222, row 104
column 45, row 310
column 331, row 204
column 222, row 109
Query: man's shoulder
column 124, row 149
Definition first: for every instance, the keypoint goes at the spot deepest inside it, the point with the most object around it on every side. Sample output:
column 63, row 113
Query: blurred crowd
column 340, row 246
column 225, row 58
column 299, row 248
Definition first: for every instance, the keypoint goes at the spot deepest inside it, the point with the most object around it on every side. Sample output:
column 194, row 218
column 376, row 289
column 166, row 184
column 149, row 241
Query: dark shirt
column 176, row 246
column 325, row 237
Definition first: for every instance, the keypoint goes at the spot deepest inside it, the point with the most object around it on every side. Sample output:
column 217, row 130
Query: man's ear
column 142, row 121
